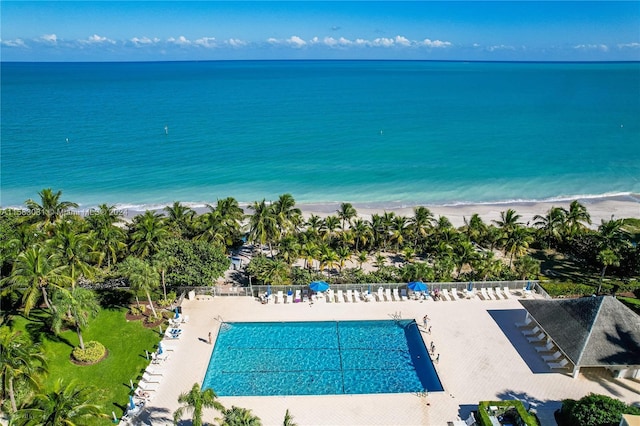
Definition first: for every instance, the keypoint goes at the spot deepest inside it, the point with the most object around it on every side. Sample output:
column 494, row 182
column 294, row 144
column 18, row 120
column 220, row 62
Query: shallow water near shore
column 374, row 133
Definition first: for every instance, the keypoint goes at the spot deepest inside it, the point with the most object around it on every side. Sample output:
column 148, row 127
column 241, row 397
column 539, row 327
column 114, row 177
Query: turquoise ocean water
column 384, row 133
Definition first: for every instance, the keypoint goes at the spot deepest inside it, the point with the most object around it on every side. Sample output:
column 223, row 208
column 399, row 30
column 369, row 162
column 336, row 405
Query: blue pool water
column 320, row 358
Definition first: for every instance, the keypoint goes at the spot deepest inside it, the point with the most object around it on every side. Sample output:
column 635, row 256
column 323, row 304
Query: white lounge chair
column 369, row 297
column 396, row 295
column 150, row 378
column 340, row 296
column 288, row 298
column 507, row 292
column 491, row 295
column 148, row 387
column 470, row 294
column 168, row 347
column 499, row 295
column 280, row 297
column 548, row 347
column 380, row 294
column 558, row 365
column 154, row 371
column 483, row 294
column 531, row 332
column 553, row 357
column 298, row 297
column 356, row 296
column 387, row 294
column 305, row 296
column 454, row 294
column 445, row 295
column 526, row 322
column 526, row 290
column 330, row 296
column 403, row 294
column 539, row 338
column 349, row 296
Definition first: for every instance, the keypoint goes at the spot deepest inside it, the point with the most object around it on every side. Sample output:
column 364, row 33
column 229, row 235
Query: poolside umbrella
column 417, row 286
column 319, row 286
column 132, row 405
column 470, row 286
column 160, row 349
column 268, row 289
column 177, row 314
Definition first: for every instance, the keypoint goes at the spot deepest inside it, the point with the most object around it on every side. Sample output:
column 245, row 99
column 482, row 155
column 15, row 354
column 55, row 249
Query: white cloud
column 500, row 47
column 330, row 41
column 236, row 42
column 435, row 43
column 476, row 45
column 18, row 42
column 402, row 41
column 181, row 41
column 629, row 46
column 96, row 39
column 602, row 47
column 49, row 38
column 296, row 41
column 273, row 40
column 382, row 41
column 207, row 42
column 144, row 41
column 362, row 42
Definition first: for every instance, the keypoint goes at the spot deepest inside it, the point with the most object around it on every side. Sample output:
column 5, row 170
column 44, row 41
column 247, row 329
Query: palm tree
column 518, row 242
column 309, row 252
column 287, row 215
column 68, row 405
column 276, row 272
column 314, row 224
column 142, row 277
column 346, row 212
column 147, row 232
column 289, row 249
column 328, row 258
column 527, row 267
column 19, row 360
column 363, row 256
column 34, row 271
column 329, row 226
column 398, row 231
column 421, row 223
column 474, row 228
column 361, row 232
column 73, row 248
column 77, row 305
column 222, row 223
column 464, row 253
column 50, row 208
column 108, row 238
column 180, row 218
column 162, row 261
column 237, row 416
column 195, row 401
column 344, row 254
column 606, row 257
column 551, row 226
column 263, row 224
column 576, row 218
column 288, row 419
column 612, row 235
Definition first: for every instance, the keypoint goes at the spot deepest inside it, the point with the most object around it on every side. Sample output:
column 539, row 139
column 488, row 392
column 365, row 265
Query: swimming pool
column 320, row 358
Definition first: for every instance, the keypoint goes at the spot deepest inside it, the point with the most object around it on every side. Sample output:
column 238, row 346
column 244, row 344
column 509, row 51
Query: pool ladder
column 223, row 325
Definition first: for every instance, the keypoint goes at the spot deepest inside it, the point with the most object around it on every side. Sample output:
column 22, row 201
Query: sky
column 227, row 30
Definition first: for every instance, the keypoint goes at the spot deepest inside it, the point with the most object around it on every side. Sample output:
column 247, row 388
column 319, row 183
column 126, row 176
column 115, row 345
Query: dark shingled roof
column 591, row 331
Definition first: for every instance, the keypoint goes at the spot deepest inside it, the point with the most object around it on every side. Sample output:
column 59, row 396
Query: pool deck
column 483, row 356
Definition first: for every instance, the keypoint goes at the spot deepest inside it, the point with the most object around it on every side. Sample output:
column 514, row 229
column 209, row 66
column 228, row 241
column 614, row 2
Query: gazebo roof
column 590, row 331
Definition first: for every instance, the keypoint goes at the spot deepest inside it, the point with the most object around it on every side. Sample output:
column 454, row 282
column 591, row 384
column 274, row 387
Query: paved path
column 483, row 356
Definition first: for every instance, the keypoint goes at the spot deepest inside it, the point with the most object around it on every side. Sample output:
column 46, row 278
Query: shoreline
column 600, row 208
column 619, row 206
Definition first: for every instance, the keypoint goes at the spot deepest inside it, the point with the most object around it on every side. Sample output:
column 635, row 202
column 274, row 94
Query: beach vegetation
column 75, row 307
column 238, row 416
column 191, row 262
column 142, row 277
column 593, row 410
column 64, row 404
column 195, row 401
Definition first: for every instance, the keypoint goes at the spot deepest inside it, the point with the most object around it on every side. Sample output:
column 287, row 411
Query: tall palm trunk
column 12, row 396
column 79, row 336
column 46, row 299
column 164, row 285
column 155, row 315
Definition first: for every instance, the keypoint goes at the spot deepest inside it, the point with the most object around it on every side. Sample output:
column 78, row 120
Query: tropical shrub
column 555, row 289
column 137, row 310
column 93, row 352
column 593, row 410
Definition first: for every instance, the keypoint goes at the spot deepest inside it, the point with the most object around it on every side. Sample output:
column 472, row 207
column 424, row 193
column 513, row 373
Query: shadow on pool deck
column 506, row 319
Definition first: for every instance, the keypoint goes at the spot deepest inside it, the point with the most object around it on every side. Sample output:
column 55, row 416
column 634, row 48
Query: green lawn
column 126, row 342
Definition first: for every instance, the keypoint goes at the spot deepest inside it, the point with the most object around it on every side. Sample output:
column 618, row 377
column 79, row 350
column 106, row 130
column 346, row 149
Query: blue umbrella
column 132, row 405
column 160, row 349
column 528, row 285
column 319, row 286
column 470, row 286
column 417, row 286
column 177, row 314
column 268, row 290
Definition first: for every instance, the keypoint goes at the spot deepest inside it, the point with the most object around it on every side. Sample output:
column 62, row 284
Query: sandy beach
column 600, row 208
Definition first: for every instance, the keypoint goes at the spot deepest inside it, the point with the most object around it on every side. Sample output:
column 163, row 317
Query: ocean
column 376, row 133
